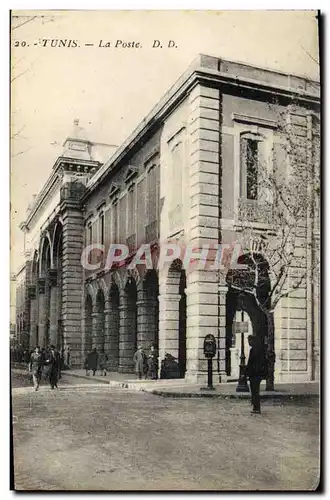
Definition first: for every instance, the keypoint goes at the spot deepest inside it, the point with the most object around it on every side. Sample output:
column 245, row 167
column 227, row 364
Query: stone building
column 178, row 178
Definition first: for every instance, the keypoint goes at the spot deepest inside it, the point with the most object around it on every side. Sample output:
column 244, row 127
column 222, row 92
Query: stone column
column 33, row 316
column 72, row 270
column 98, row 329
column 53, row 308
column 205, row 304
column 127, row 331
column 42, row 312
column 88, row 333
column 94, row 326
column 146, row 316
column 111, row 341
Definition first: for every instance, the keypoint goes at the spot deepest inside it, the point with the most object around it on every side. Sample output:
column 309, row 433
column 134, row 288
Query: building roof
column 210, row 70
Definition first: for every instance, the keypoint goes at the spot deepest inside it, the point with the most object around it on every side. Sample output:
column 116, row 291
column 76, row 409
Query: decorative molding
column 131, row 173
column 151, row 156
column 254, row 120
column 101, row 205
column 114, row 189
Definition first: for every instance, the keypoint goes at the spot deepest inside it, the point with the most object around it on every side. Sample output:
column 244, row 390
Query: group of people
column 47, row 362
column 146, row 363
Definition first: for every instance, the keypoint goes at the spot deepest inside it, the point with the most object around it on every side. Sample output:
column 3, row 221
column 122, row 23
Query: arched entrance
column 88, row 325
column 175, row 355
column 112, row 340
column 148, row 311
column 128, row 327
column 99, row 323
column 240, row 298
column 44, row 293
column 56, row 289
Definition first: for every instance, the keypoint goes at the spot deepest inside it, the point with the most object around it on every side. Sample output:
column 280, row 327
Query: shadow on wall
column 169, row 367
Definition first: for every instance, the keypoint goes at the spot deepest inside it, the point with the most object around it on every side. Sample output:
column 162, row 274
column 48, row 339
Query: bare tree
column 282, row 253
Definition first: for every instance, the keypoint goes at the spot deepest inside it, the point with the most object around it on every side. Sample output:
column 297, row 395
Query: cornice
column 50, row 185
column 210, row 78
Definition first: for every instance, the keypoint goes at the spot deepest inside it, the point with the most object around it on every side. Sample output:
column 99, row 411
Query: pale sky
column 111, row 90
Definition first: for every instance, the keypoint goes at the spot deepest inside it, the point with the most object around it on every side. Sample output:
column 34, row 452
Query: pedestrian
column 67, row 357
column 45, row 353
column 153, row 363
column 53, row 361
column 35, row 367
column 103, row 360
column 139, row 359
column 92, row 361
column 256, row 370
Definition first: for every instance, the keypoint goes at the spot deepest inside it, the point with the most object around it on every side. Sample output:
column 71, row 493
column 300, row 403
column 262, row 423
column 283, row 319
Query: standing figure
column 153, row 363
column 67, row 356
column 35, row 367
column 92, row 360
column 256, row 370
column 139, row 359
column 103, row 359
column 53, row 361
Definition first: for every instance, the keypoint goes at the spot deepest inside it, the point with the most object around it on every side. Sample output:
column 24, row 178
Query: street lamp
column 242, row 385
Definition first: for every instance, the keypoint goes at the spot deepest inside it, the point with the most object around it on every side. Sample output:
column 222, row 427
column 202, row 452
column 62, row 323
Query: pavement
column 116, row 439
column 182, row 389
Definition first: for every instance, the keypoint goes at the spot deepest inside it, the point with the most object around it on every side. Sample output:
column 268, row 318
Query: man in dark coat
column 53, row 362
column 256, row 370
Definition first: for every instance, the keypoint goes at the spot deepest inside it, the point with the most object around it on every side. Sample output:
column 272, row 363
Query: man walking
column 256, row 370
column 139, row 359
column 53, row 363
column 35, row 367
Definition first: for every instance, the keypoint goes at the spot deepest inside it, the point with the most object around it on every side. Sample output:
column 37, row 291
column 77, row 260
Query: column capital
column 41, row 285
column 52, row 277
column 32, row 291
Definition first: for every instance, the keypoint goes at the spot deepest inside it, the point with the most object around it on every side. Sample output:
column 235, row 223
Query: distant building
column 178, row 177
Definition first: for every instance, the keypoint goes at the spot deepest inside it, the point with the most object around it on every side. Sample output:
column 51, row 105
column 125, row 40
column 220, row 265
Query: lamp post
column 242, row 385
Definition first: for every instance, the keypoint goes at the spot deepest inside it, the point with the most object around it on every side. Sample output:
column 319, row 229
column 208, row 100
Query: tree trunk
column 270, row 351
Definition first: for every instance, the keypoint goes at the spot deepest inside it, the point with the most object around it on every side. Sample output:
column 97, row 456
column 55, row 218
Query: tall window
column 90, row 233
column 114, row 225
column 177, row 165
column 131, row 211
column 249, row 167
column 152, row 196
column 102, row 228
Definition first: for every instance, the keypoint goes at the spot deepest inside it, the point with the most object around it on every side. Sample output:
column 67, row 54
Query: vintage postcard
column 165, row 250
